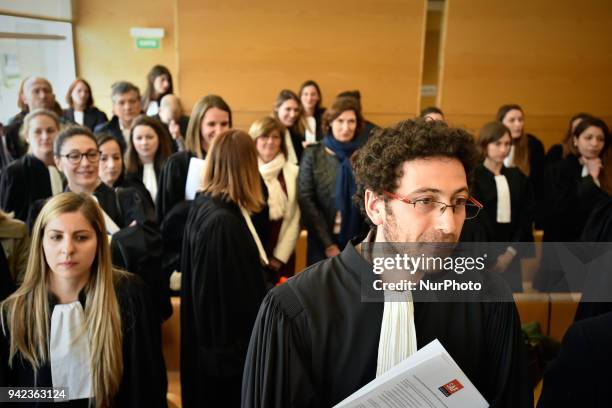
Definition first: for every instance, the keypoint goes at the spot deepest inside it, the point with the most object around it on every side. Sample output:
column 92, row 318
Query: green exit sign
column 147, row 43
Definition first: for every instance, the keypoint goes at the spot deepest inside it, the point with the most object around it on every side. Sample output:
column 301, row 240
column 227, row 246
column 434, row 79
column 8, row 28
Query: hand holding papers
column 428, row 378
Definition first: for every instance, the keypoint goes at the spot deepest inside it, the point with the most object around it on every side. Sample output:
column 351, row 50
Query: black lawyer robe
column 137, row 248
column 23, row 183
column 571, row 199
column 537, row 167
column 171, row 183
column 144, row 382
column 520, row 227
column 92, row 117
column 580, row 375
column 221, row 289
column 315, row 342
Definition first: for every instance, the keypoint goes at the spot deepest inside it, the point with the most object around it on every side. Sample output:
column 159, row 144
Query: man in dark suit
column 580, row 376
column 126, row 107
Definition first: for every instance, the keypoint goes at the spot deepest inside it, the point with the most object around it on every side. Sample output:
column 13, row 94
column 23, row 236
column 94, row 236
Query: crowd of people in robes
column 103, row 220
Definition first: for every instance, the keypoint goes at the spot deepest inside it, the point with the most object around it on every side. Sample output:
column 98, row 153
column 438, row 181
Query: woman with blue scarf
column 326, row 183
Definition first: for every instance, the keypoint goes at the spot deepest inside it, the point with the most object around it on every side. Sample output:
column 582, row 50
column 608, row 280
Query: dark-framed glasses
column 75, row 157
column 470, row 207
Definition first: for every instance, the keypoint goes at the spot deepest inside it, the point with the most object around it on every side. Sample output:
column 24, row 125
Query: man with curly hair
column 316, row 341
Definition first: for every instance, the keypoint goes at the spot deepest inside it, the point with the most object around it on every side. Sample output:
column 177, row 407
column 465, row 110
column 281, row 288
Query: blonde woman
column 222, row 274
column 33, row 177
column 77, row 323
column 209, row 117
column 280, row 177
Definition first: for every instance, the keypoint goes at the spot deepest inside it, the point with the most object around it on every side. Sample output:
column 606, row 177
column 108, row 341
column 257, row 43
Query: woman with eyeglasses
column 326, row 183
column 507, row 197
column 78, row 323
column 34, row 177
column 136, row 240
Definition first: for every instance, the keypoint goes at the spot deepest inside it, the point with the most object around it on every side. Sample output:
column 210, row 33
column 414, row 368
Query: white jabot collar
column 69, row 351
column 397, row 331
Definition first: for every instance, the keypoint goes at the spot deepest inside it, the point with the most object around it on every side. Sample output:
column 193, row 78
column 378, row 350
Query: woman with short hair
column 326, row 183
column 34, row 177
column 81, row 109
column 222, row 274
column 77, row 323
column 280, row 177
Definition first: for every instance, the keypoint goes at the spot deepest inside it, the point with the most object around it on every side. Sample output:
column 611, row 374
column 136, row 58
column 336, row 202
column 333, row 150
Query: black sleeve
column 144, row 382
column 277, row 371
column 562, row 383
column 537, row 164
column 171, row 186
column 100, row 117
column 224, row 310
column 524, row 231
column 313, row 218
column 507, row 368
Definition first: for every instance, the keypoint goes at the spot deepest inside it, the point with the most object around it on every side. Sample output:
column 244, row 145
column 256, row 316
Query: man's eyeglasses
column 75, row 157
column 470, row 207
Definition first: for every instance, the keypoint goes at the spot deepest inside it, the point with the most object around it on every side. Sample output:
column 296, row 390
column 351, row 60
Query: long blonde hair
column 26, row 312
column 231, row 170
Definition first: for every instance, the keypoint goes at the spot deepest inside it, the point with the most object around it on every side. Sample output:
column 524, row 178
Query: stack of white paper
column 195, row 174
column 429, row 378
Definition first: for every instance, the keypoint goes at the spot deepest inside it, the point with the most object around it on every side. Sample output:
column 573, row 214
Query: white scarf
column 69, row 350
column 262, row 252
column 277, row 199
column 397, row 332
column 149, row 179
column 503, row 199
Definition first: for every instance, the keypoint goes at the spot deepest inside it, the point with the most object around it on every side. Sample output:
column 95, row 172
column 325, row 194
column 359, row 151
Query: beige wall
column 106, row 52
column 247, row 52
column 552, row 57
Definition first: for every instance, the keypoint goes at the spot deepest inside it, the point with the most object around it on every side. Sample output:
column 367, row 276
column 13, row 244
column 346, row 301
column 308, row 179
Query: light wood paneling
column 106, row 52
column 552, row 57
column 247, row 52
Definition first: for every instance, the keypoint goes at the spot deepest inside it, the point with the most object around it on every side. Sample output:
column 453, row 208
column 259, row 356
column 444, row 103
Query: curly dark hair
column 378, row 165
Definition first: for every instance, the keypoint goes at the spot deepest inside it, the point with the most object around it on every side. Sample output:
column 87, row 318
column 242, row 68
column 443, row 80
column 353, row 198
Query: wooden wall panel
column 105, row 51
column 552, row 57
column 247, row 52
